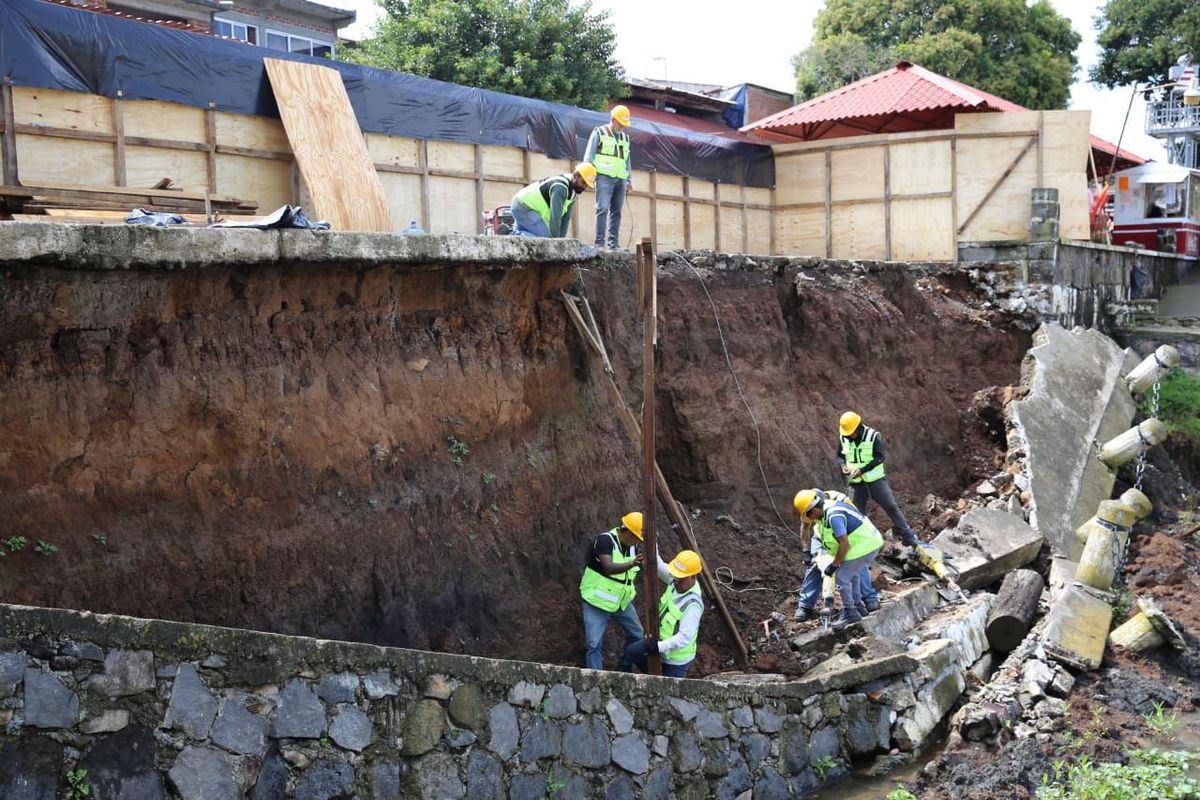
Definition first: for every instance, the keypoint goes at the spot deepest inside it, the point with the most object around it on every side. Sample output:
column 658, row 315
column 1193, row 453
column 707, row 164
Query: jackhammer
column 828, row 589
column 938, row 562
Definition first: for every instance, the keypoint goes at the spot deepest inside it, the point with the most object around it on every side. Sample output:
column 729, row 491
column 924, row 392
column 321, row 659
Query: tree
column 549, row 49
column 834, row 62
column 1140, row 39
column 1023, row 53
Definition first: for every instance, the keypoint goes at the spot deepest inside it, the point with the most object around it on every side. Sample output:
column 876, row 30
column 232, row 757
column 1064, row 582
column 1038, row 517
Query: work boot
column 871, row 605
column 803, row 614
column 845, row 620
column 862, row 609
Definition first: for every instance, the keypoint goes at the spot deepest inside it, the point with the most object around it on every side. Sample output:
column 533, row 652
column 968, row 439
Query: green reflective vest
column 670, row 614
column 611, row 592
column 536, row 196
column 612, row 153
column 864, row 539
column 859, row 455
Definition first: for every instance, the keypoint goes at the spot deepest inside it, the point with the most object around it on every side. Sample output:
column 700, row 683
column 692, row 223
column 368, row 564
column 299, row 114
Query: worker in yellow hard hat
column 679, row 612
column 816, row 558
column 608, row 149
column 860, row 449
column 853, row 541
column 543, row 208
column 609, row 584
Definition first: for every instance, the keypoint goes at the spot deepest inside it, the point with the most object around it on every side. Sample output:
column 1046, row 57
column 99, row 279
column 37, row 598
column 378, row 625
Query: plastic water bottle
column 413, row 227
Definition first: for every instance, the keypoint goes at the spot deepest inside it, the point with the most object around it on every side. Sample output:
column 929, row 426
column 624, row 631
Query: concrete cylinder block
column 1124, row 448
column 1122, row 513
column 1102, row 553
column 1153, row 367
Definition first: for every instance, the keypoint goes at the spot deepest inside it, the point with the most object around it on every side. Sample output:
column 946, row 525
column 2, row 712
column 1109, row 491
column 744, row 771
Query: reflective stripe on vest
column 612, row 153
column 864, row 539
column 670, row 614
column 611, row 592
column 536, row 196
column 859, row 455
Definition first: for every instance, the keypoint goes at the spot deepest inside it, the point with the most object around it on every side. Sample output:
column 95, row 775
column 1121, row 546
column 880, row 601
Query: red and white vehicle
column 1157, row 206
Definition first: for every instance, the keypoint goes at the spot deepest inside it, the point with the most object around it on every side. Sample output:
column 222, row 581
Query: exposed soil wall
column 275, row 445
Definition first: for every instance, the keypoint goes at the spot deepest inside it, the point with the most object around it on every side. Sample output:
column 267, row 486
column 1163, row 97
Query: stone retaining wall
column 142, row 708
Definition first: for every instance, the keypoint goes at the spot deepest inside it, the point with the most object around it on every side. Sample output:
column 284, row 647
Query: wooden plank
column 423, row 163
column 654, row 204
column 499, row 160
column 745, row 222
column 118, row 126
column 51, row 108
column 10, row 134
column 329, row 147
column 717, row 217
column 801, row 232
column 760, row 232
column 857, row 174
column 687, row 216
column 451, row 156
column 154, row 119
column 478, row 190
column 269, row 183
column 887, row 202
column 800, row 178
column 702, row 228
column 46, row 160
column 669, row 224
column 454, row 201
column 187, row 169
column 828, row 204
column 997, row 184
column 136, row 191
column 252, row 133
column 1066, row 145
column 396, row 151
column 920, row 168
column 922, row 229
column 772, row 243
column 858, row 231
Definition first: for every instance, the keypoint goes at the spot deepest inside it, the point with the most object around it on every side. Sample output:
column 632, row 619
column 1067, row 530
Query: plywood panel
column 668, row 184
column 1006, row 214
column 758, row 196
column 857, row 173
column 703, row 234
column 156, row 120
column 503, row 160
column 396, row 151
column 759, row 227
column 635, row 218
column 800, row 232
column 255, row 133
column 700, row 190
column 858, row 231
column 542, row 167
column 731, row 218
column 498, row 194
column 328, row 144
column 1007, row 122
column 923, row 230
column 1065, row 156
column 404, row 198
column 48, row 159
column 187, row 169
column 452, row 206
column 640, row 180
column 799, row 179
column 264, row 180
column 451, row 156
column 669, row 216
column 920, row 167
column 55, row 109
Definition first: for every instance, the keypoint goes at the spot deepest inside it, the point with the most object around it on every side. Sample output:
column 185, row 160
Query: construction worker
column 860, row 449
column 608, row 150
column 851, row 538
column 609, row 584
column 543, row 208
column 810, row 590
column 679, row 612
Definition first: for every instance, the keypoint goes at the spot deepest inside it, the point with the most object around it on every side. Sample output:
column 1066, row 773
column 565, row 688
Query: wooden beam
column 771, row 235
column 478, row 188
column 118, row 126
column 654, row 203
column 999, row 182
column 829, row 203
column 210, row 139
column 887, row 202
column 954, row 194
column 1041, row 151
column 746, row 223
column 717, row 216
column 11, row 177
column 423, row 163
column 652, row 583
column 854, row 201
column 687, row 214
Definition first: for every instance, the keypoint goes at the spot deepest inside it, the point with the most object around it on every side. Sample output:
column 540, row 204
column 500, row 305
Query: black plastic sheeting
column 56, row 47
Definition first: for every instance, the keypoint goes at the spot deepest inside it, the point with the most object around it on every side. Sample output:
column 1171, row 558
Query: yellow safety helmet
column 849, row 423
column 685, row 564
column 807, row 499
column 620, row 114
column 633, row 521
column 587, row 171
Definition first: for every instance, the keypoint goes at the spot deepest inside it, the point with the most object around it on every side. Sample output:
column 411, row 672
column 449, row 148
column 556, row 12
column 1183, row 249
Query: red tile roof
column 693, row 124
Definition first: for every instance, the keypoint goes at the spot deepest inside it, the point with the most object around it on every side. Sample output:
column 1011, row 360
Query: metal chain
column 1123, row 557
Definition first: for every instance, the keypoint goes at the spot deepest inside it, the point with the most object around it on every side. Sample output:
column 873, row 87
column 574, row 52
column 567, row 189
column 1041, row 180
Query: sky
column 752, row 41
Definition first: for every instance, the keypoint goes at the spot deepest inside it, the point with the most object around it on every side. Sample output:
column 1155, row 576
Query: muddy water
column 1185, row 736
column 858, row 785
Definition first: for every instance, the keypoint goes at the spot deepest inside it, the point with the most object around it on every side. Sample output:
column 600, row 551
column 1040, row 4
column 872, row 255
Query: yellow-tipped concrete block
column 1121, row 513
column 1147, row 629
column 1077, row 628
column 1105, row 545
column 1153, row 367
column 1124, row 448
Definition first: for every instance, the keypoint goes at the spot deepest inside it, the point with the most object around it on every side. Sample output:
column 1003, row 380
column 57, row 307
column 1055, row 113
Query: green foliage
column 44, row 548
column 457, row 449
column 15, row 543
column 900, row 793
column 1178, row 404
column 489, row 478
column 1122, row 602
column 553, row 786
column 823, row 766
column 77, row 785
column 557, row 50
column 1140, row 39
column 1160, row 722
column 1149, row 775
column 100, row 539
column 1023, row 53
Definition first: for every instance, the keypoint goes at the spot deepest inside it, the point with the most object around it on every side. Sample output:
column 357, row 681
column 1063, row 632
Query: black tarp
column 51, row 46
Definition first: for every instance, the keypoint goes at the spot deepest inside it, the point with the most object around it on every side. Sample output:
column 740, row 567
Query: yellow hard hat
column 849, row 423
column 685, row 564
column 633, row 521
column 620, row 114
column 587, row 171
column 806, row 499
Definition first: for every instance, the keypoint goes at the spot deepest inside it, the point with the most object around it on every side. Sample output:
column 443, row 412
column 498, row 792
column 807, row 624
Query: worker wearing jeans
column 810, row 590
column 608, row 150
column 608, row 587
column 851, row 538
column 860, row 449
column 679, row 611
column 543, row 208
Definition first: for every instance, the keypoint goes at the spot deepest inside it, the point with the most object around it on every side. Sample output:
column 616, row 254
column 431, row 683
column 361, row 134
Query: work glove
column 806, row 559
column 831, row 570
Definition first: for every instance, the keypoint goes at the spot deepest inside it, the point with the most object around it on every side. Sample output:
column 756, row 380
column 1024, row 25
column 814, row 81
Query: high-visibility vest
column 612, row 153
column 859, row 454
column 611, row 592
column 670, row 613
column 536, row 196
column 864, row 539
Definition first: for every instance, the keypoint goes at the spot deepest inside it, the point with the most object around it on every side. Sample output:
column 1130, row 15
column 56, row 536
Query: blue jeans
column 810, row 591
column 638, row 654
column 595, row 623
column 527, row 222
column 849, row 583
column 610, row 199
column 881, row 493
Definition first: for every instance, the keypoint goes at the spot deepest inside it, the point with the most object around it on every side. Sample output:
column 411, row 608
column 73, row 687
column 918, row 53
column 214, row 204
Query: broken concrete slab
column 1076, row 397
column 844, row 670
column 902, row 613
column 987, row 544
column 965, row 625
column 1077, row 628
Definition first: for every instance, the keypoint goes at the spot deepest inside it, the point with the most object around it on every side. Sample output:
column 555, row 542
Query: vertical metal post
column 646, row 274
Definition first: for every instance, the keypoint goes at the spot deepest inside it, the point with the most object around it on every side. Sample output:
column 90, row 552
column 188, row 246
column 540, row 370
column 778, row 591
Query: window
column 235, row 30
column 1165, row 199
column 299, row 44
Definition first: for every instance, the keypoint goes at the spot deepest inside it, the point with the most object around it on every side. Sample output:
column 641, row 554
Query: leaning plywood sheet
column 329, row 146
